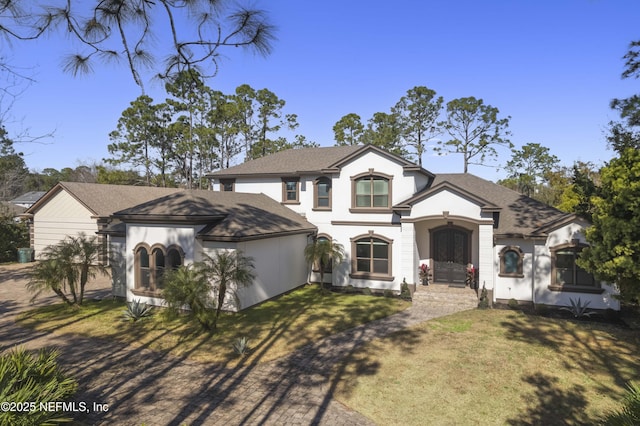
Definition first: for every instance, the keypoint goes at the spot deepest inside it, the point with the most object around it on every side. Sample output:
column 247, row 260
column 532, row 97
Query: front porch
column 448, row 246
column 445, row 298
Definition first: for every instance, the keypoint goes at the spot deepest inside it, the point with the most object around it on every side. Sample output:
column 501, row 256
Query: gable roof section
column 290, row 162
column 485, row 205
column 102, row 200
column 300, row 161
column 519, row 214
column 227, row 216
column 28, row 197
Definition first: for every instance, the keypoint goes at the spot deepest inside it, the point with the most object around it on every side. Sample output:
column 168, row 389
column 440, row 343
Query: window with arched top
column 371, row 192
column 371, row 257
column 151, row 263
column 511, row 262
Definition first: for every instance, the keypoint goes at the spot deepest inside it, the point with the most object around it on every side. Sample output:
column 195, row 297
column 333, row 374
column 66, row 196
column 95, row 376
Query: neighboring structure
column 148, row 230
column 28, row 199
column 392, row 216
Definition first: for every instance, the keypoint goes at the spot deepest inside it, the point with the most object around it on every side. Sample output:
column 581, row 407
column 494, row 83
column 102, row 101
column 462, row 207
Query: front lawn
column 492, row 367
column 275, row 328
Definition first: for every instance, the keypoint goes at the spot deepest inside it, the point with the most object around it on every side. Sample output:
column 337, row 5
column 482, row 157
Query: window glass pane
column 159, row 258
column 363, row 249
column 381, row 266
column 144, row 257
column 564, row 276
column 145, row 279
column 363, row 265
column 363, row 201
column 291, row 185
column 227, row 186
column 584, row 278
column 380, row 250
column 564, row 259
column 363, row 187
column 323, row 202
column 323, row 189
column 511, row 262
column 380, row 186
column 173, row 259
column 380, row 201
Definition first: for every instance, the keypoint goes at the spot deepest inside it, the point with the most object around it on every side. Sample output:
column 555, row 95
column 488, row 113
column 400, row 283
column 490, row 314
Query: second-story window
column 371, row 192
column 291, row 190
column 322, row 200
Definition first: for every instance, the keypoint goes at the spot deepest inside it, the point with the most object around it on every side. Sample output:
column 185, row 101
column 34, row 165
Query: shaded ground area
column 143, row 386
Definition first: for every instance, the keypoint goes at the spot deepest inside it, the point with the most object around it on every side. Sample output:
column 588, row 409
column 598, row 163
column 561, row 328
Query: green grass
column 491, row 367
column 275, row 328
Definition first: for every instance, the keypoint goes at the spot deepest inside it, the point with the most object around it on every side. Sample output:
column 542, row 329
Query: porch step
column 459, row 299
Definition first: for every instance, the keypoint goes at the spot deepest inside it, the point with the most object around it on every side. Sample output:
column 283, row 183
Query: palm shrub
column 228, row 270
column 187, row 287
column 323, row 252
column 204, row 287
column 27, row 377
column 66, row 268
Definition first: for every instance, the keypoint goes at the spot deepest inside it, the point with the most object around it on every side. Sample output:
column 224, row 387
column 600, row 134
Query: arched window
column 151, row 263
column 322, row 194
column 511, row 259
column 174, row 258
column 143, row 268
column 371, row 193
column 158, row 270
column 371, row 256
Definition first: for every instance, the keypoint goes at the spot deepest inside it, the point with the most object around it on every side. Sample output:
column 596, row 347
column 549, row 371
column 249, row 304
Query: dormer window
column 371, row 193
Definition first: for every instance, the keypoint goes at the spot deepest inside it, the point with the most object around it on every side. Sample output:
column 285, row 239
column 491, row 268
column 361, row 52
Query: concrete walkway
column 141, row 386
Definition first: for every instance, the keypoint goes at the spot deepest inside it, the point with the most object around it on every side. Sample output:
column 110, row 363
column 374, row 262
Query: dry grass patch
column 275, row 328
column 491, row 367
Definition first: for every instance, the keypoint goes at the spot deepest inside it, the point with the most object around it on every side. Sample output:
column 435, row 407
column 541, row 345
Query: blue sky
column 553, row 66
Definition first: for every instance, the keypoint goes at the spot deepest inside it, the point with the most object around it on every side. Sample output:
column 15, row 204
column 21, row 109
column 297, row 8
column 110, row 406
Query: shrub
column 388, row 293
column 513, row 303
column 241, row 346
column 33, row 377
column 136, row 310
column 578, row 309
column 484, row 299
column 366, row 291
column 629, row 414
column 405, row 293
column 12, row 236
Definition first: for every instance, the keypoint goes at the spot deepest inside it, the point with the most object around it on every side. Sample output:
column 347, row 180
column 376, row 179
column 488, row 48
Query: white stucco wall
column 279, row 267
column 150, row 234
column 537, row 267
column 61, row 216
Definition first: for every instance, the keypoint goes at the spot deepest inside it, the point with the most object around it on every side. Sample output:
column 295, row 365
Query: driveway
column 134, row 386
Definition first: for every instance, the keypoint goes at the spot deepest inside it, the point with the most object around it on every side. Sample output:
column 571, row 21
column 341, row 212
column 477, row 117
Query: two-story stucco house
column 390, row 215
column 393, row 216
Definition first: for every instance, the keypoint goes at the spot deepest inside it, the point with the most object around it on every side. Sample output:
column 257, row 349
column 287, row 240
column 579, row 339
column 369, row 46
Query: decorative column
column 485, row 258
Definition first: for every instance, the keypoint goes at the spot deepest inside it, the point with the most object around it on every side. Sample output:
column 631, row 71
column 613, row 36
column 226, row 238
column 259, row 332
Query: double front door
column 450, row 255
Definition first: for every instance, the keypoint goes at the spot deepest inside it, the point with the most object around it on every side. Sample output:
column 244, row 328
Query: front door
column 450, row 255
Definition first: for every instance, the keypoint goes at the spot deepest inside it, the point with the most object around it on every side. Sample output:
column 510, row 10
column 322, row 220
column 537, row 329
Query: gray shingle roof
column 103, row 200
column 28, row 197
column 228, row 216
column 519, row 214
column 291, row 161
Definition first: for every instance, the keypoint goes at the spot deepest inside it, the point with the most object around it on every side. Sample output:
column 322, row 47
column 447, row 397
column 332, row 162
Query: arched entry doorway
column 450, row 246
